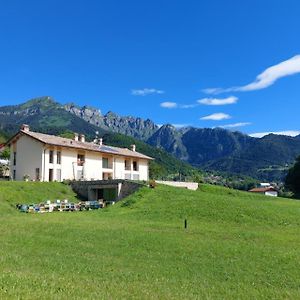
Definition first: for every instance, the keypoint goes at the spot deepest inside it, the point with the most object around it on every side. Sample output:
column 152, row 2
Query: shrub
column 152, row 184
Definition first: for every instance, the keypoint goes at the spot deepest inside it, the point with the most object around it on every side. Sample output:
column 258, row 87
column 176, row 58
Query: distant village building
column 265, row 184
column 265, row 189
column 41, row 157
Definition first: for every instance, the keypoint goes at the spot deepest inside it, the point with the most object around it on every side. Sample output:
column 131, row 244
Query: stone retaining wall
column 187, row 185
column 86, row 189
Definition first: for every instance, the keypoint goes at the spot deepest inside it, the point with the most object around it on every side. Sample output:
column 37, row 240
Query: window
column 58, row 157
column 135, row 166
column 50, row 174
column 128, row 176
column 51, row 154
column 58, row 174
column 15, row 158
column 105, row 163
column 37, row 174
column 127, row 164
column 80, row 160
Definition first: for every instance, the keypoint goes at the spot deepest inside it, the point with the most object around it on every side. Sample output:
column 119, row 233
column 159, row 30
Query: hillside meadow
column 237, row 246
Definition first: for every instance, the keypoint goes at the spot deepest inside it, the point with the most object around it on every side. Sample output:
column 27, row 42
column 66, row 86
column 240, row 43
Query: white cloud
column 188, row 105
column 286, row 132
column 206, row 101
column 175, row 105
column 235, row 125
column 215, row 101
column 145, row 92
column 213, row 91
column 216, row 117
column 168, row 104
column 265, row 79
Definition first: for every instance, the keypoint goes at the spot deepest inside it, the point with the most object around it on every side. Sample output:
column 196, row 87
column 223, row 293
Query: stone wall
column 187, row 185
column 128, row 188
column 86, row 189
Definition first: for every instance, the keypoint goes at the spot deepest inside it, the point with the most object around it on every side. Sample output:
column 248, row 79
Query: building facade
column 41, row 157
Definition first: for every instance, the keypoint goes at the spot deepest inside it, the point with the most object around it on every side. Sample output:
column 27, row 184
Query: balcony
column 80, row 160
column 80, row 163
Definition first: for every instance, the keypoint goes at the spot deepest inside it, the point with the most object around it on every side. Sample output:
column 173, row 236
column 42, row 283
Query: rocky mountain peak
column 132, row 126
column 168, row 127
column 90, row 114
column 40, row 102
column 44, row 100
column 111, row 114
column 169, row 138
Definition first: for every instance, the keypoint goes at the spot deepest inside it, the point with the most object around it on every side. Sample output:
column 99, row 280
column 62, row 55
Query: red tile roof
column 64, row 142
column 263, row 189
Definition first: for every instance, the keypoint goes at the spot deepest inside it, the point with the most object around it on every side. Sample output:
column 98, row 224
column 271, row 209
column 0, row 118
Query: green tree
column 292, row 181
column 67, row 134
column 156, row 171
column 5, row 154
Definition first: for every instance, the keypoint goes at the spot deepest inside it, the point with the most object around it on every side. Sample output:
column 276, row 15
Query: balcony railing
column 80, row 163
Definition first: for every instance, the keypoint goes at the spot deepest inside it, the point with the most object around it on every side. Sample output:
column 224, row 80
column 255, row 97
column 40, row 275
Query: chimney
column 133, row 148
column 100, row 141
column 82, row 138
column 25, row 127
column 76, row 137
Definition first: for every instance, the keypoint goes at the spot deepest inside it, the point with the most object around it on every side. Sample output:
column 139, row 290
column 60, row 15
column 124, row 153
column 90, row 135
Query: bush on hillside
column 152, row 184
column 292, row 180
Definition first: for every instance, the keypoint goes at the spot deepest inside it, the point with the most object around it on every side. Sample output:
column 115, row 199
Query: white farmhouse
column 41, row 157
column 267, row 190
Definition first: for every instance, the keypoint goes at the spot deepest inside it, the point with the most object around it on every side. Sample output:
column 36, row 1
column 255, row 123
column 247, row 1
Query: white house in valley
column 42, row 157
column 265, row 190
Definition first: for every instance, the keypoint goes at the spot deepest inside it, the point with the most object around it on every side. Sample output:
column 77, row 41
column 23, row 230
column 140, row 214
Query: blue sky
column 158, row 59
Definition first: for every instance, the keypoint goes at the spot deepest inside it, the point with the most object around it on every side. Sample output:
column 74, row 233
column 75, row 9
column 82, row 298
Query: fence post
column 185, row 223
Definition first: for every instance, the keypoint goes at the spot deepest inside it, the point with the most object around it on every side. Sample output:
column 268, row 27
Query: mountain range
column 215, row 149
column 265, row 158
column 48, row 116
column 135, row 127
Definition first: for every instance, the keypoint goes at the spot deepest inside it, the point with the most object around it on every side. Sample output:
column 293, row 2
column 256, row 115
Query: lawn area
column 237, row 246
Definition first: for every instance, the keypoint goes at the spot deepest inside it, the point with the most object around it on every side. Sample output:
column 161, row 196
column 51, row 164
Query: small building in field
column 265, row 184
column 41, row 157
column 267, row 190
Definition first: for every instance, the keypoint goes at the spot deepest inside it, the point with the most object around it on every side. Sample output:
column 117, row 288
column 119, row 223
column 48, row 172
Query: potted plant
column 152, row 184
column 26, row 177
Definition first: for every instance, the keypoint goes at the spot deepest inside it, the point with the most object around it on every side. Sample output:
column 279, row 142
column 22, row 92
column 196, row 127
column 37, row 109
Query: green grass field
column 237, row 246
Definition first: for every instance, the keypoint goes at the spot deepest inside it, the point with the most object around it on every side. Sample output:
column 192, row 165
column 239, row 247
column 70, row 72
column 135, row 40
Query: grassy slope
column 12, row 193
column 238, row 245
